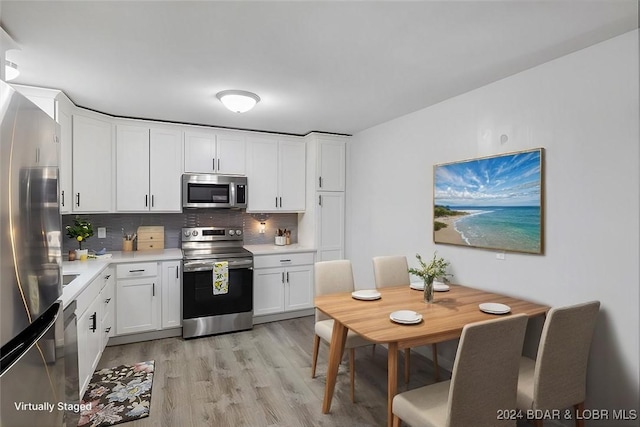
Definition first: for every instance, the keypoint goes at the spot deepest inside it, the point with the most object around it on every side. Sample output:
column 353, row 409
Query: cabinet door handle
column 146, row 200
column 320, row 200
column 107, row 300
column 107, row 277
column 108, row 330
column 287, row 277
column 153, row 200
column 177, row 272
column 280, row 201
column 320, row 181
column 136, row 271
column 213, row 166
column 285, row 260
column 283, row 277
column 276, row 202
column 78, row 199
column 153, row 290
column 218, row 164
column 62, row 198
column 94, row 322
column 37, row 155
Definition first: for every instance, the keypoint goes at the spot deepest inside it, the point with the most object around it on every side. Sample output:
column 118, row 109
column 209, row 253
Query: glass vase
column 428, row 289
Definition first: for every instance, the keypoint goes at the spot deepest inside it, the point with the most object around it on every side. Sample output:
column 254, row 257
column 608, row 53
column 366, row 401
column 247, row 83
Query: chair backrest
column 391, row 271
column 560, row 374
column 332, row 277
column 484, row 379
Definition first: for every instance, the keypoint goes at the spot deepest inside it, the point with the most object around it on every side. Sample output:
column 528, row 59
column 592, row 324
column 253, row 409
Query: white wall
column 583, row 109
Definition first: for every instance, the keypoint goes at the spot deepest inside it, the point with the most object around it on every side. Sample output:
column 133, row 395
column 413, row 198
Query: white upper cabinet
column 291, row 181
column 64, row 117
column 148, row 169
column 211, row 152
column 92, row 164
column 165, row 170
column 276, row 175
column 331, row 165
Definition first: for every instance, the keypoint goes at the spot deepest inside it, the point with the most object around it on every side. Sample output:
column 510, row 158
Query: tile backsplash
column 173, row 222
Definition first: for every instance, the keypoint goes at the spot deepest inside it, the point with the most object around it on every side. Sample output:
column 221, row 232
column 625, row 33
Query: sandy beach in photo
column 448, row 234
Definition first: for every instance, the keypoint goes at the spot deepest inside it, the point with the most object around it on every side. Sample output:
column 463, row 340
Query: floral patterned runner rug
column 118, row 395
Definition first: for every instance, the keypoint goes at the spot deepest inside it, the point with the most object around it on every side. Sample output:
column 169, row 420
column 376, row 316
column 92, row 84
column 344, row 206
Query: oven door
column 197, row 289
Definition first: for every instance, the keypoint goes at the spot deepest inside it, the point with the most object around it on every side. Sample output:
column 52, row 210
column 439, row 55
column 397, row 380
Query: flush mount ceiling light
column 238, row 101
column 10, row 70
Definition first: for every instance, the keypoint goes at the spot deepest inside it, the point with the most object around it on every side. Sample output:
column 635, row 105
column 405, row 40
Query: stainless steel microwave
column 214, row 191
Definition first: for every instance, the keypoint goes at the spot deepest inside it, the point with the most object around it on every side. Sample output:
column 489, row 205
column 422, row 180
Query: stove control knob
column 187, row 233
column 238, row 232
column 194, row 233
column 232, row 233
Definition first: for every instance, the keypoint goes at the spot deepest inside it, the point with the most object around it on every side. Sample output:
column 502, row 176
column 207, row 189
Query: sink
column 68, row 278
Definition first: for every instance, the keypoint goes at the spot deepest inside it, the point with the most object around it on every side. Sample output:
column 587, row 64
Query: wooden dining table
column 442, row 320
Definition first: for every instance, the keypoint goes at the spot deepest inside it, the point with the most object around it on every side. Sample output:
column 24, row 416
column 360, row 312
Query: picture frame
column 494, row 202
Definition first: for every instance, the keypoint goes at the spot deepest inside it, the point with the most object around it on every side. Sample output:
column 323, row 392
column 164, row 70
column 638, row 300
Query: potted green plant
column 81, row 230
column 437, row 267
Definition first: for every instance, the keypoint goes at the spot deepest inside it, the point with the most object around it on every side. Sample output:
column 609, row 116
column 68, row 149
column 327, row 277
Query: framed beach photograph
column 491, row 202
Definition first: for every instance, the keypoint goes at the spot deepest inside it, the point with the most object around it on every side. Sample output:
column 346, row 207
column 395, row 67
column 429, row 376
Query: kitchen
column 371, row 202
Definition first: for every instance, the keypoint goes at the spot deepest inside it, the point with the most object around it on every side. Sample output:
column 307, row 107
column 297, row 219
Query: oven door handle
column 208, row 266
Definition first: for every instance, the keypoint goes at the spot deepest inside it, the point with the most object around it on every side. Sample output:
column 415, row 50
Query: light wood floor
column 259, row 378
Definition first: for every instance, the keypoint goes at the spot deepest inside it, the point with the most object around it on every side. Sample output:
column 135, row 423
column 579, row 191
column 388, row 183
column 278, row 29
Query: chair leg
column 316, row 345
column 352, row 373
column 579, row 412
column 436, row 369
column 396, row 421
column 407, row 366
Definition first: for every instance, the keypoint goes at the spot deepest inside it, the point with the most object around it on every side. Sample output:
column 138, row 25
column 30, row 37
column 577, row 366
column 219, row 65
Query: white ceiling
column 328, row 66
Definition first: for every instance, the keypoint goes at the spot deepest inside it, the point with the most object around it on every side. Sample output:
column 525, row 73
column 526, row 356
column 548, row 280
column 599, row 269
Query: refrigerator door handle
column 22, row 343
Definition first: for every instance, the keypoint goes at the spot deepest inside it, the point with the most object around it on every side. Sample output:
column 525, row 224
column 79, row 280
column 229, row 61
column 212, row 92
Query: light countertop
column 274, row 249
column 91, row 268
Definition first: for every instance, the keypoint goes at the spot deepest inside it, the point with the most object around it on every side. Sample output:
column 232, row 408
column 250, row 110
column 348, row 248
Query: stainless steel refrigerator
column 32, row 356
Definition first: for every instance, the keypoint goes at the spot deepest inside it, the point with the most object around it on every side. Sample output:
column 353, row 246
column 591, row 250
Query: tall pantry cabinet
column 322, row 225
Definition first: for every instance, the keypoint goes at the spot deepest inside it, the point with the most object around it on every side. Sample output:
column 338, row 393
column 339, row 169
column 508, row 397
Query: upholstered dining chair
column 557, row 378
column 333, row 277
column 483, row 382
column 394, row 271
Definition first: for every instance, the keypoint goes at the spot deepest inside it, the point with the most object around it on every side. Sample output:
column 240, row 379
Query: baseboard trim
column 282, row 316
column 145, row 336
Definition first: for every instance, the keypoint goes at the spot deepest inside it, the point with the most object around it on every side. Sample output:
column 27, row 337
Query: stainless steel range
column 205, row 310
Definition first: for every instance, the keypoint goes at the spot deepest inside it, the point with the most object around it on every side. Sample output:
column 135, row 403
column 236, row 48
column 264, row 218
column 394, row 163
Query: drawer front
column 148, row 245
column 283, row 260
column 151, row 236
column 136, row 269
column 88, row 295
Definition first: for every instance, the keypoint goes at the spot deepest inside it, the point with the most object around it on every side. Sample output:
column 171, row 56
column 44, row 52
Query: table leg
column 336, row 348
column 392, row 381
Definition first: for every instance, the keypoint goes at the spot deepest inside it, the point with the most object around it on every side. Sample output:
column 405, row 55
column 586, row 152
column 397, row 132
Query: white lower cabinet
column 138, row 297
column 282, row 283
column 94, row 309
column 171, row 291
column 148, row 297
column 89, row 343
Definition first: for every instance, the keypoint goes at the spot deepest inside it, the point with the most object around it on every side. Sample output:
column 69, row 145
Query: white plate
column 418, row 286
column 494, row 308
column 407, row 317
column 366, row 295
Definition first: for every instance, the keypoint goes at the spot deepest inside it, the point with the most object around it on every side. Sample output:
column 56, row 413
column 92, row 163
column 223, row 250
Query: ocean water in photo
column 508, row 228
